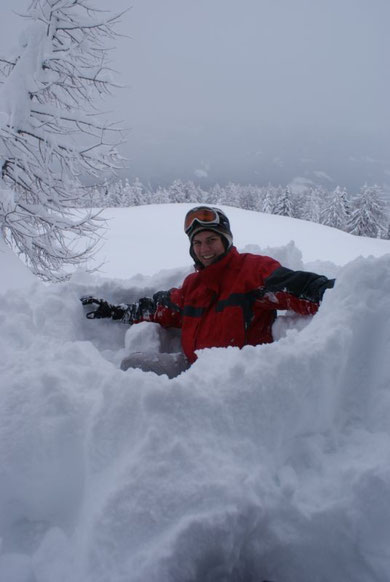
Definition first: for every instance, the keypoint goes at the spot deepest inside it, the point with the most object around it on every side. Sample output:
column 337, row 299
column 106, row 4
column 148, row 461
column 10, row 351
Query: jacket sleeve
column 300, row 291
column 165, row 308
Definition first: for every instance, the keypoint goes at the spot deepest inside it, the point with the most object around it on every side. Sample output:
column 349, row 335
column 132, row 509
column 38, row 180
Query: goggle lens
column 202, row 215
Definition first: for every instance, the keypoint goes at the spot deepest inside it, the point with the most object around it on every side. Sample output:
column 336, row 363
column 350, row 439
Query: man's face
column 207, row 246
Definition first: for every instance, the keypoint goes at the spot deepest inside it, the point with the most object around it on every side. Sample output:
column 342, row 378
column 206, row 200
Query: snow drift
column 267, row 463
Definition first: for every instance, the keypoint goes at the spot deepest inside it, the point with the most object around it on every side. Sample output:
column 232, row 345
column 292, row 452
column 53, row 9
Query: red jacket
column 233, row 302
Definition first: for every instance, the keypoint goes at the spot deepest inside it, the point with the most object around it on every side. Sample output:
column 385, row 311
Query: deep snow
column 267, row 463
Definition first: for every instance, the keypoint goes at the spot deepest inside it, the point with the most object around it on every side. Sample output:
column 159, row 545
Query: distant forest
column 365, row 213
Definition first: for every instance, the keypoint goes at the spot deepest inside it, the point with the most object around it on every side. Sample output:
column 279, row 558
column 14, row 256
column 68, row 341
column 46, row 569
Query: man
column 230, row 300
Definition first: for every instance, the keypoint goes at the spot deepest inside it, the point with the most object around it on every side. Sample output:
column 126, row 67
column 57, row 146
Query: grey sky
column 252, row 90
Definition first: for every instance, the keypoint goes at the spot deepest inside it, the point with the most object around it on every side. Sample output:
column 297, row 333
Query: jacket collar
column 212, row 275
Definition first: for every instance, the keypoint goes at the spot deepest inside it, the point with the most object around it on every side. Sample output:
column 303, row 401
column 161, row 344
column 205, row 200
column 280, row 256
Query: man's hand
column 104, row 309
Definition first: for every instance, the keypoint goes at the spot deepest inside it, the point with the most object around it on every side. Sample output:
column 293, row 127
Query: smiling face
column 207, row 246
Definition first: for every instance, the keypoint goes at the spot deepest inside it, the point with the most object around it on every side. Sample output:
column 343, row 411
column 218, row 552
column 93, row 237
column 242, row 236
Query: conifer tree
column 311, row 209
column 369, row 217
column 335, row 211
column 269, row 201
column 283, row 203
column 137, row 193
column 215, row 195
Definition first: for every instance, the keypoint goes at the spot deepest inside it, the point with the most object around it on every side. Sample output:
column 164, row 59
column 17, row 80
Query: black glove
column 104, row 309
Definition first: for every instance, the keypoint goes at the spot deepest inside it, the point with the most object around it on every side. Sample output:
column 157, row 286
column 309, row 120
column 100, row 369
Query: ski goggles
column 203, row 215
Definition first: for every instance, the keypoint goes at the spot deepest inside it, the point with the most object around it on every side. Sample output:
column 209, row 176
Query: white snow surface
column 266, row 463
column 152, row 238
column 14, row 274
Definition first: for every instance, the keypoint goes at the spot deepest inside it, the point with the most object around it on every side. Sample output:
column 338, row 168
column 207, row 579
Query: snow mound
column 267, row 463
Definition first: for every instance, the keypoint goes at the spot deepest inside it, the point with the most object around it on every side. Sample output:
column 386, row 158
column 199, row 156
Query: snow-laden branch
column 50, row 134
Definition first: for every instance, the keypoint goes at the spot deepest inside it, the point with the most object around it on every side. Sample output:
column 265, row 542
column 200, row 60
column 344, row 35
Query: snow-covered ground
column 272, row 462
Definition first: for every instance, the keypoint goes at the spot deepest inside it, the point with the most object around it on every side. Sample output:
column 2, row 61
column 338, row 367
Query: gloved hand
column 104, row 309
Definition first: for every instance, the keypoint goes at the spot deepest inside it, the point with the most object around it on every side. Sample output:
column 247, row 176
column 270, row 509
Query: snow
column 14, row 273
column 267, row 463
column 138, row 230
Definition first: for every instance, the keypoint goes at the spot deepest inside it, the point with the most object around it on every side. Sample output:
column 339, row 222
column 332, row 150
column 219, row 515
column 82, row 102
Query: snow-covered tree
column 283, row 203
column 176, row 191
column 120, row 194
column 232, row 194
column 249, row 198
column 369, row 217
column 137, row 193
column 269, row 200
column 336, row 210
column 258, row 197
column 123, row 198
column 192, row 193
column 311, row 208
column 50, row 134
column 216, row 195
column 160, row 196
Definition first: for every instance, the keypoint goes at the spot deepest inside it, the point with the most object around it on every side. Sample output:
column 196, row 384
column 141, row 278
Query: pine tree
column 176, row 191
column 311, row 209
column 369, row 217
column 126, row 190
column 283, row 203
column 49, row 139
column 216, row 195
column 249, row 197
column 191, row 193
column 137, row 193
column 269, row 200
column 160, row 196
column 232, row 195
column 258, row 198
column 336, row 211
column 116, row 194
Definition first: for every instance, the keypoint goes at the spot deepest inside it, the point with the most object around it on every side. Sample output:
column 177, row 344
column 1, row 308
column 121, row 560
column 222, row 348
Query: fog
column 252, row 90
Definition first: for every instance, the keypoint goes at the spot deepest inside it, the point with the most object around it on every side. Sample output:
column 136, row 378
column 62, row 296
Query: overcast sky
column 251, row 90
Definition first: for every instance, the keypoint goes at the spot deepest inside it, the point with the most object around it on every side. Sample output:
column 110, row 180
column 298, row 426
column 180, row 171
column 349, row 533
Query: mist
column 254, row 91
